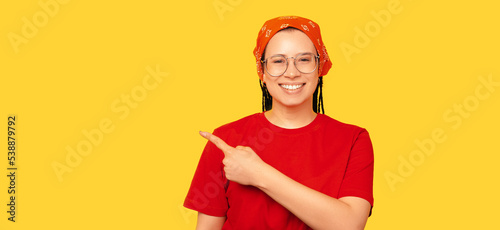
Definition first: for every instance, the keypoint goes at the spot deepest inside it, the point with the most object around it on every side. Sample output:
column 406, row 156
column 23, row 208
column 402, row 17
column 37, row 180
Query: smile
column 292, row 87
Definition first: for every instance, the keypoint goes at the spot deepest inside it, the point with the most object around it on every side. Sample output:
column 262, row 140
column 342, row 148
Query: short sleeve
column 358, row 178
column 207, row 192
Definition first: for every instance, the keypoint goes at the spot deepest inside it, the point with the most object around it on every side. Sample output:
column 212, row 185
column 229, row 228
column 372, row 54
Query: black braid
column 267, row 99
column 318, row 101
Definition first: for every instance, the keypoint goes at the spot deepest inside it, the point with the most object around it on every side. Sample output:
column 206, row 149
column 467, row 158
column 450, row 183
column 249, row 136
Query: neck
column 291, row 117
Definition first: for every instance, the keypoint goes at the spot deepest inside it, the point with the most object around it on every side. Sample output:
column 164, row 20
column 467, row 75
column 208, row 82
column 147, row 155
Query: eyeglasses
column 277, row 65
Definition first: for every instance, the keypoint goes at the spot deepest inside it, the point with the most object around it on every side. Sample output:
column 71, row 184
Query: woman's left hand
column 241, row 164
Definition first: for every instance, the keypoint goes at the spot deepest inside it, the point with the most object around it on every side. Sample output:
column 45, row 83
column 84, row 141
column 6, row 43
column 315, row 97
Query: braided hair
column 267, row 99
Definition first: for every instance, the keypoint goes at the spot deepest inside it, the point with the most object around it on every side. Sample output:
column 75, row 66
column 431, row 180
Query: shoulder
column 332, row 124
column 247, row 121
column 345, row 132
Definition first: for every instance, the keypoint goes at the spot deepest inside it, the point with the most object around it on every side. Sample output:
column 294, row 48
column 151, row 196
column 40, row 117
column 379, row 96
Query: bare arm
column 207, row 222
column 317, row 210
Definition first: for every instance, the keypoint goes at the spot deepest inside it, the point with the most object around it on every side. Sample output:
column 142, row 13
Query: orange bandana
column 310, row 28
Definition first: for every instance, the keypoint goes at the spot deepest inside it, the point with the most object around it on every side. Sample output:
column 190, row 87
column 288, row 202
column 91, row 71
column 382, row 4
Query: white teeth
column 292, row 87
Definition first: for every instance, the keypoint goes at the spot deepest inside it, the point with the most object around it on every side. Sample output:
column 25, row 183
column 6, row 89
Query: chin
column 290, row 103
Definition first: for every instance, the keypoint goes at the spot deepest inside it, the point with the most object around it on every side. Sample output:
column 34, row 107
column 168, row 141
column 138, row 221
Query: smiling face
column 293, row 89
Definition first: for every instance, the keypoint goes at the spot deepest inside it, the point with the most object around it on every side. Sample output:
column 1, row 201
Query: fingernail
column 203, row 134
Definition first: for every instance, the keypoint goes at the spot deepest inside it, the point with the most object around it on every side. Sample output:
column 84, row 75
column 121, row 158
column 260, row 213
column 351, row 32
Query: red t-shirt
column 326, row 155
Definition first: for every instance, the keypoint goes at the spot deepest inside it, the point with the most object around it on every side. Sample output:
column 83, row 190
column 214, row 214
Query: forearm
column 317, row 210
column 207, row 222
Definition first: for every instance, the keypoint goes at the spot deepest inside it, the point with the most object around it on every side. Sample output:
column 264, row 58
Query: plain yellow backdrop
column 129, row 84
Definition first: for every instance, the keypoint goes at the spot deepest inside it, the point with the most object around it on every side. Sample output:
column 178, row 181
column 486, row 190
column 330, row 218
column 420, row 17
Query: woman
column 289, row 167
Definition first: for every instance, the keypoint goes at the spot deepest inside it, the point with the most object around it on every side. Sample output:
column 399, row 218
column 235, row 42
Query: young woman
column 290, row 166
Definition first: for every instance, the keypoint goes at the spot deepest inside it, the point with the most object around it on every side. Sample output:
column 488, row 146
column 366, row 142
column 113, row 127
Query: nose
column 291, row 70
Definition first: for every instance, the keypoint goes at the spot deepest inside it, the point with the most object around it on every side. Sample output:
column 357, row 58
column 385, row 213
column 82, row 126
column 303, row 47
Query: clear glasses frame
column 316, row 57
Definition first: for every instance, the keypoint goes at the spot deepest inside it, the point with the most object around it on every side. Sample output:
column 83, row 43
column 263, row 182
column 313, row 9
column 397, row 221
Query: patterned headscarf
column 310, row 28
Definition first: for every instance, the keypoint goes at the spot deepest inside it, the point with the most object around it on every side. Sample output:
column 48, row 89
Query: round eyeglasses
column 277, row 65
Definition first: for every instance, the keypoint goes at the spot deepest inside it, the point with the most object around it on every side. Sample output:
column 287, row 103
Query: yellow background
column 65, row 79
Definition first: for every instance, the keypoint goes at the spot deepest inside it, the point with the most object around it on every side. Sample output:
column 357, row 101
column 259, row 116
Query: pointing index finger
column 221, row 144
